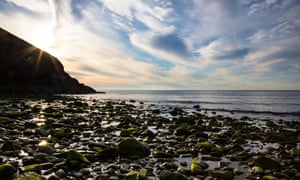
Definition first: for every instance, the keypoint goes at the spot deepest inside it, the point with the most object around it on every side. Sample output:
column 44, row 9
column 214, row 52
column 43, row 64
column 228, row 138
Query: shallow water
column 255, row 104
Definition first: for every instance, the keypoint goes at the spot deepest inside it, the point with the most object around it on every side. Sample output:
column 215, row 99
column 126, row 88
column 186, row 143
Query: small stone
column 46, row 166
column 61, row 173
column 257, row 170
column 78, row 174
column 270, row 177
column 61, row 133
column 196, row 169
column 113, row 178
column 205, row 145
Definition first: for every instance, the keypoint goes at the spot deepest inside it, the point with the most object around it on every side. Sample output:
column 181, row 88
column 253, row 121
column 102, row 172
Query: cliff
column 25, row 68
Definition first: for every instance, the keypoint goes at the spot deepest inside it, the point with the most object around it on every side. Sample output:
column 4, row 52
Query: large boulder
column 267, row 163
column 132, row 148
column 7, row 170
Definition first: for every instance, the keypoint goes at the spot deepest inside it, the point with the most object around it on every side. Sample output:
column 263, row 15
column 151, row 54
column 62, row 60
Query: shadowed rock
column 27, row 69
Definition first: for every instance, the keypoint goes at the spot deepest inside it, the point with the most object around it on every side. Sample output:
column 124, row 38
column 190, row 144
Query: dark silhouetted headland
column 25, row 68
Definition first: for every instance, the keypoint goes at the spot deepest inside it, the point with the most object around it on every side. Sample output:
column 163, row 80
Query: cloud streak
column 239, row 44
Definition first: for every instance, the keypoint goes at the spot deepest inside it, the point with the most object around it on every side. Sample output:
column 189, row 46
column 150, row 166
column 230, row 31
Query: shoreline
column 71, row 137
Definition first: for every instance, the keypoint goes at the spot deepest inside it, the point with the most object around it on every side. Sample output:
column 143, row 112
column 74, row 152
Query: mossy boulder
column 168, row 175
column 205, row 145
column 72, row 155
column 183, row 131
column 48, row 149
column 267, row 163
column 226, row 175
column 106, row 153
column 7, row 170
column 130, row 147
column 196, row 168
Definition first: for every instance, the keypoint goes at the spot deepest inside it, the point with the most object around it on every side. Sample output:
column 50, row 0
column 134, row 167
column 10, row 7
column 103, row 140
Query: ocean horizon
column 262, row 104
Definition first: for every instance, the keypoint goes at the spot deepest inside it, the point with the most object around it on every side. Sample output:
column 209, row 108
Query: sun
column 43, row 38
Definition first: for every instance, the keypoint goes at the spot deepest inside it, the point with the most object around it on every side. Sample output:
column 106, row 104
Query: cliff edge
column 25, row 68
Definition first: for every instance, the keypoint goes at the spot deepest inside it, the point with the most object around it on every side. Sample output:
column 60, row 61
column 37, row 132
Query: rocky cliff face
column 27, row 69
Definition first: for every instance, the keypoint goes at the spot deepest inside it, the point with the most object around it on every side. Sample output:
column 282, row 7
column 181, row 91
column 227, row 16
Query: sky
column 166, row 44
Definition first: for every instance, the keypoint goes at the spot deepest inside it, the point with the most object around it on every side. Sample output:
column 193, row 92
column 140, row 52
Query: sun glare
column 43, row 38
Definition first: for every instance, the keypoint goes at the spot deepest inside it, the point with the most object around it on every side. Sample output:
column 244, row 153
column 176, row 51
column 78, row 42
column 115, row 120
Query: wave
column 226, row 103
column 296, row 113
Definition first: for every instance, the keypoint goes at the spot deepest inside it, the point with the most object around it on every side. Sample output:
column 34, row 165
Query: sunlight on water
column 256, row 104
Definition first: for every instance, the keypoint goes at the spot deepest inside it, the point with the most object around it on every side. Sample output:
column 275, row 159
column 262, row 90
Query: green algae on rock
column 7, row 170
column 73, row 155
column 32, row 167
column 167, row 175
column 132, row 148
column 205, row 145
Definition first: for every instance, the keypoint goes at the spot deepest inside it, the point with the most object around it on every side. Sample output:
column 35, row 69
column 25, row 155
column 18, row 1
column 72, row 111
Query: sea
column 257, row 104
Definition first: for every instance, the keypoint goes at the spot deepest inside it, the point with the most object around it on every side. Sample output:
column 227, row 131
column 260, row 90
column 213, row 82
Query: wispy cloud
column 234, row 44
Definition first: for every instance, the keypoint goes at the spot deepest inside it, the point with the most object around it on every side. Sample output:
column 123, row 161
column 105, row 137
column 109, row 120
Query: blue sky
column 166, row 44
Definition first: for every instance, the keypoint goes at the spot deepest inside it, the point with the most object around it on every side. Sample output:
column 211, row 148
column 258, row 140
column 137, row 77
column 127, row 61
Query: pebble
column 94, row 123
column 61, row 173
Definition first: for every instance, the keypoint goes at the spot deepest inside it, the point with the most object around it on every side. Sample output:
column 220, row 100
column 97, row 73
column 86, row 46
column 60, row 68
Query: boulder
column 73, row 155
column 226, row 175
column 196, row 168
column 167, row 175
column 130, row 147
column 267, row 163
column 7, row 170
